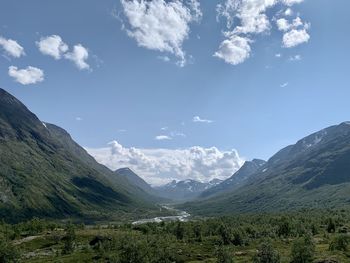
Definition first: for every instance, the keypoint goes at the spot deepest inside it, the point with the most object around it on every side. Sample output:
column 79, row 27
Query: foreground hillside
column 305, row 237
column 44, row 173
column 314, row 172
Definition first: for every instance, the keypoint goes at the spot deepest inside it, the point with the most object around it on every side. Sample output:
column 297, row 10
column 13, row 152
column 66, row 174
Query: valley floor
column 305, row 236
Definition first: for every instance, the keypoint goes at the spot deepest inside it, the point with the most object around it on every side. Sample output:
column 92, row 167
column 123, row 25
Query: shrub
column 340, row 243
column 7, row 252
column 303, row 250
column 266, row 254
column 223, row 255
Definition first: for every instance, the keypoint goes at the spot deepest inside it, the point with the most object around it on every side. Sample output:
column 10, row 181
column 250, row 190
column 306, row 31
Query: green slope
column 315, row 172
column 44, row 173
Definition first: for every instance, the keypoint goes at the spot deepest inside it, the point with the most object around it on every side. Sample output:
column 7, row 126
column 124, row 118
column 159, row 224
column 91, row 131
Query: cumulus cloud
column 198, row 119
column 29, row 75
column 234, row 50
column 160, row 166
column 52, row 46
column 11, row 47
column 55, row 47
column 244, row 19
column 79, row 55
column 162, row 137
column 161, row 25
column 295, row 37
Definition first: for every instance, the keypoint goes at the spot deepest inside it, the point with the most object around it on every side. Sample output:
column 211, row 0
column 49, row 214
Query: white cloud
column 278, row 55
column 164, row 128
column 251, row 14
column 198, row 119
column 295, row 58
column 162, row 138
column 295, row 37
column 246, row 18
column 284, row 85
column 29, row 75
column 177, row 134
column 234, row 50
column 53, row 46
column 288, row 12
column 78, row 118
column 11, row 47
column 79, row 55
column 164, row 58
column 161, row 25
column 292, row 2
column 159, row 166
column 284, row 25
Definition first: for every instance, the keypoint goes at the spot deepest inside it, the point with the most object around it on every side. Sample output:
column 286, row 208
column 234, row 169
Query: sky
column 179, row 89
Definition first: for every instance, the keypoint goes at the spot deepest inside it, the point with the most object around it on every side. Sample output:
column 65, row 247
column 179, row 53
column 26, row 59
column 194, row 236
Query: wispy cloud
column 284, row 85
column 198, row 119
column 295, row 58
column 162, row 138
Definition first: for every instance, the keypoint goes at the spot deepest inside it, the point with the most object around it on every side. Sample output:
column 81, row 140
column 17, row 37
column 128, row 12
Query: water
column 181, row 216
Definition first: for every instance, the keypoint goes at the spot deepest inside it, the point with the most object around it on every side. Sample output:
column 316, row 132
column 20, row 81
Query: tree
column 179, row 231
column 330, row 225
column 225, row 234
column 266, row 254
column 303, row 250
column 223, row 255
column 69, row 239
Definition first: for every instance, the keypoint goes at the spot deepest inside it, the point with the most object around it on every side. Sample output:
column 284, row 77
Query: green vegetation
column 298, row 237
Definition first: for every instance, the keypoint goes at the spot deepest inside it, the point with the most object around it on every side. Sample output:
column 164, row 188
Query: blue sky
column 256, row 102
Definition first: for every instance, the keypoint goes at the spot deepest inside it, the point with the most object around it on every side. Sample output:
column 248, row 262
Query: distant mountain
column 137, row 181
column 314, row 172
column 237, row 180
column 44, row 173
column 185, row 190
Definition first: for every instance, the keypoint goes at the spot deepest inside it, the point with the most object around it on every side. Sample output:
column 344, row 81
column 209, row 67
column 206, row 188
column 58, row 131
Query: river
column 181, row 216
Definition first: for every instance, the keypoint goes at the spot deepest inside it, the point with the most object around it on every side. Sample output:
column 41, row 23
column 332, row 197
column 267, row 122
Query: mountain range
column 44, row 173
column 185, row 190
column 313, row 173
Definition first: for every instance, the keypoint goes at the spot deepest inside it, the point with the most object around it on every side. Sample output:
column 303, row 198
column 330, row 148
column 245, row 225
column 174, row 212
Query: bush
column 340, row 243
column 266, row 254
column 7, row 252
column 69, row 239
column 223, row 255
column 303, row 250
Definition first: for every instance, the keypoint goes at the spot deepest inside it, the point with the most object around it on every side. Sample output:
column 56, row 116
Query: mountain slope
column 184, row 190
column 314, row 172
column 240, row 178
column 44, row 173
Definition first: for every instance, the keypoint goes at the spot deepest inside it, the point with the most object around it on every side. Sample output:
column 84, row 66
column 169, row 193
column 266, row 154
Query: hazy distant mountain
column 314, row 172
column 185, row 190
column 240, row 178
column 44, row 173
